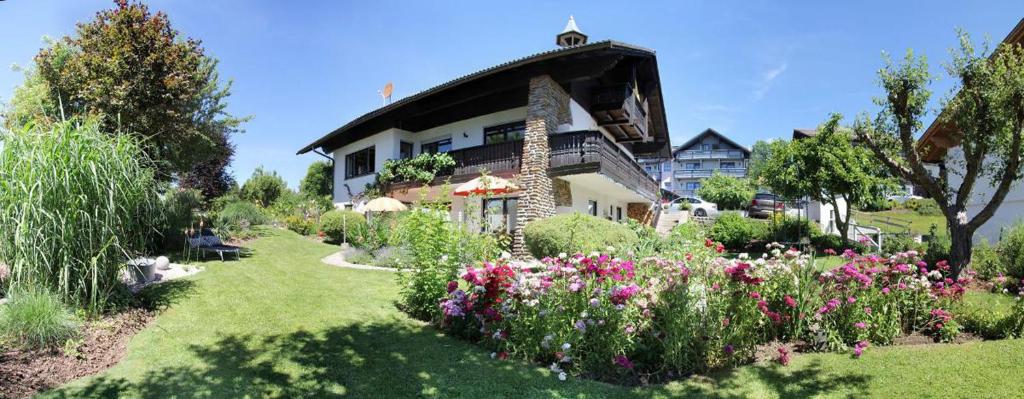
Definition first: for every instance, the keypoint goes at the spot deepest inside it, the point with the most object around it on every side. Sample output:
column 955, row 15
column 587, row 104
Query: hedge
column 571, row 233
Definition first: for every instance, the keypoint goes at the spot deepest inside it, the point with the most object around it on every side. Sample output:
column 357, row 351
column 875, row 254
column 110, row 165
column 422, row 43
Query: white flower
column 610, row 249
column 505, row 255
column 493, row 355
column 595, row 254
column 566, row 346
column 480, row 289
column 554, row 367
column 444, row 258
column 961, row 217
column 743, row 255
column 562, row 255
column 561, row 376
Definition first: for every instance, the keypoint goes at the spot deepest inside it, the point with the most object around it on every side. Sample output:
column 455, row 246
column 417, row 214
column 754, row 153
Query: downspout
column 331, row 160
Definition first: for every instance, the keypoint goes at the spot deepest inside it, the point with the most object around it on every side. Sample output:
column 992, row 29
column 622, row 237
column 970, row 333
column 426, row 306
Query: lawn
column 280, row 323
column 894, row 221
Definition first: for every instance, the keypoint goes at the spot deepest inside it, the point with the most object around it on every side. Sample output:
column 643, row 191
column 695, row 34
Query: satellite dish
column 388, row 89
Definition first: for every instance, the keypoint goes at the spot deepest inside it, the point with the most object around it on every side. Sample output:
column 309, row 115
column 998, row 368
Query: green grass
column 280, row 323
column 999, row 302
column 918, row 224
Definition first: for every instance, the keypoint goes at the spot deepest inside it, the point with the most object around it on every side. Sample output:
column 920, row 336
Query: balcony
column 571, row 153
column 621, row 112
column 710, row 154
column 702, row 173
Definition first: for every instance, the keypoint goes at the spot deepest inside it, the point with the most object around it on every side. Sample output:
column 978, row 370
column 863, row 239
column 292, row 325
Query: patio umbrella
column 485, row 185
column 384, row 204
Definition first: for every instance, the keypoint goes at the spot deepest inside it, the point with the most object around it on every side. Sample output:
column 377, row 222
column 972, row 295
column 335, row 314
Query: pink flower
column 783, row 356
column 859, row 348
column 860, row 325
column 789, row 301
column 851, row 300
column 755, row 294
column 623, row 361
column 867, row 309
column 452, row 286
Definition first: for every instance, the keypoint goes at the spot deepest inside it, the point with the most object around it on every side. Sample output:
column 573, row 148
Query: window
column 648, row 170
column 507, row 132
column 692, row 185
column 592, row 208
column 404, row 150
column 360, row 163
column 500, row 214
column 692, row 165
column 435, row 147
column 668, row 185
column 728, row 165
column 618, row 213
column 667, row 166
column 705, row 147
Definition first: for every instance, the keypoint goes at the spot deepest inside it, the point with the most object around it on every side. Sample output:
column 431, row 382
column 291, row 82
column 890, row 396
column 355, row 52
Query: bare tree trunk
column 960, row 247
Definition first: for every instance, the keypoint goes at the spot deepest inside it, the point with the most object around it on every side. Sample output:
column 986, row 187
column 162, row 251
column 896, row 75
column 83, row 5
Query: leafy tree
column 317, row 182
column 726, row 191
column 264, row 188
column 138, row 75
column 827, row 167
column 759, row 154
column 211, row 177
column 987, row 115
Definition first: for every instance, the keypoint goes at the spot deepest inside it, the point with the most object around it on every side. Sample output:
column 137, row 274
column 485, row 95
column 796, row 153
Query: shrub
column 74, row 202
column 649, row 243
column 318, row 180
column 341, row 226
column 36, row 319
column 263, row 187
column 571, row 233
column 179, row 214
column 1011, row 248
column 393, row 257
column 240, row 215
column 300, row 225
column 735, row 231
column 360, row 257
column 985, row 261
column 836, row 244
column 789, row 229
column 726, row 191
column 923, row 207
column 896, row 243
column 937, row 248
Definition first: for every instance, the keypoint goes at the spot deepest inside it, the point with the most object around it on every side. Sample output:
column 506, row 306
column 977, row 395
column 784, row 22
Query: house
column 940, row 149
column 702, row 156
column 568, row 124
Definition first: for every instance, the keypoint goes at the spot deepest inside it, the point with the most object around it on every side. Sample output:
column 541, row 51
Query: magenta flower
column 728, row 349
column 452, row 286
column 860, row 325
column 789, row 301
column 851, row 300
column 623, row 361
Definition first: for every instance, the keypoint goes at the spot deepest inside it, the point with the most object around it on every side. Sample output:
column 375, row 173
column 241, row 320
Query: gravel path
column 337, row 259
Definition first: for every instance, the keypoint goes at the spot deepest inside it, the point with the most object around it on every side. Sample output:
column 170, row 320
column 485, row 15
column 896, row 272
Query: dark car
column 764, row 204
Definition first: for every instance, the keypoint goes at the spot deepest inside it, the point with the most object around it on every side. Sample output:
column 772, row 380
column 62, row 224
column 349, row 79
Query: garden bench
column 206, row 241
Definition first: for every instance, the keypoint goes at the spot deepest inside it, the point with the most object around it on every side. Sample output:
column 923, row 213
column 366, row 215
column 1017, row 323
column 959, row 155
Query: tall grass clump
column 35, row 318
column 75, row 204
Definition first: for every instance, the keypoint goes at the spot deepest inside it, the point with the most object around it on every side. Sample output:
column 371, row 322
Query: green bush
column 179, row 213
column 342, row 226
column 36, row 319
column 985, row 260
column 571, row 233
column 937, row 248
column 649, row 243
column 790, row 229
column 240, row 215
column 726, row 191
column 1011, row 248
column 300, row 225
column 75, row 203
column 836, row 243
column 735, row 231
column 923, row 207
column 896, row 243
column 264, row 187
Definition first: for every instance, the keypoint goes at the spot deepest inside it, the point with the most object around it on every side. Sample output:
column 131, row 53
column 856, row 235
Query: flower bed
column 629, row 320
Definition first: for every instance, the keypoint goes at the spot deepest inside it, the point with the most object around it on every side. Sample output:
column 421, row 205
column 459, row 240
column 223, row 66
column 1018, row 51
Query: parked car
column 699, row 207
column 764, row 204
column 901, row 198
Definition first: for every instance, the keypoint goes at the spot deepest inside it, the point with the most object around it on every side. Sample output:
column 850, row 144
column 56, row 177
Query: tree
column 264, row 188
column 827, row 167
column 211, row 177
column 988, row 119
column 139, row 76
column 317, row 182
column 726, row 191
column 759, row 154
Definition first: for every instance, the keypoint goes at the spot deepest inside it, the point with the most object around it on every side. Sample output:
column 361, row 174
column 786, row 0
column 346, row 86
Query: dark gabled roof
column 804, row 133
column 709, row 132
column 658, row 122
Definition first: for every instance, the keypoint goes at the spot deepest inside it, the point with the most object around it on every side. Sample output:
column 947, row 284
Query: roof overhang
column 505, row 86
column 941, row 136
column 710, row 132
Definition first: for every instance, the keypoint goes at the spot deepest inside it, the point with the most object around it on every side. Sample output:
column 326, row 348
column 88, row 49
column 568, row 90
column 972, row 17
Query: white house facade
column 567, row 125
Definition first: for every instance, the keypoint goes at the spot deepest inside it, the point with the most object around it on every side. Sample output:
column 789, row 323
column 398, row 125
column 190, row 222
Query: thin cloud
column 768, row 80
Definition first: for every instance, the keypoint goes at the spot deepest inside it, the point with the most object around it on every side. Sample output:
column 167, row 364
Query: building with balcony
column 698, row 159
column 566, row 124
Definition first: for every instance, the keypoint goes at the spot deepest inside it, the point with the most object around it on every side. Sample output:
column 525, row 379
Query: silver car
column 699, row 207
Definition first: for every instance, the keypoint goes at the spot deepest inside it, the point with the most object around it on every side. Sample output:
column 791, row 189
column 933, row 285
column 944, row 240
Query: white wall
column 1009, row 213
column 583, row 193
column 385, row 147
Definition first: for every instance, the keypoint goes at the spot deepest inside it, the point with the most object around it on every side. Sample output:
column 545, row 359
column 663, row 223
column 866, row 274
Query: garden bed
column 102, row 344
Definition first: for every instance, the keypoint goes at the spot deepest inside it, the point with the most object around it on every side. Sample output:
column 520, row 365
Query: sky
column 751, row 70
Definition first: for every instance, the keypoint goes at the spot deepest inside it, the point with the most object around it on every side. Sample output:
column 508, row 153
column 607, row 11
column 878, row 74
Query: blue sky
column 750, row 69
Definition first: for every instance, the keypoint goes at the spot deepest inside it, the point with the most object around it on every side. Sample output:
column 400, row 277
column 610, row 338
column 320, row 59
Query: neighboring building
column 699, row 158
column 942, row 150
column 567, row 124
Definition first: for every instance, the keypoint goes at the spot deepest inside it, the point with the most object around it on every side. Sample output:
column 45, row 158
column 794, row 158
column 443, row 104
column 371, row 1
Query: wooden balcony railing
column 571, row 153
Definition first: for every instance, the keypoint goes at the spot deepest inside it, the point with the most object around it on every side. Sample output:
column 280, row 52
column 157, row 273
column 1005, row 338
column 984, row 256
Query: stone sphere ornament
column 163, row 263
